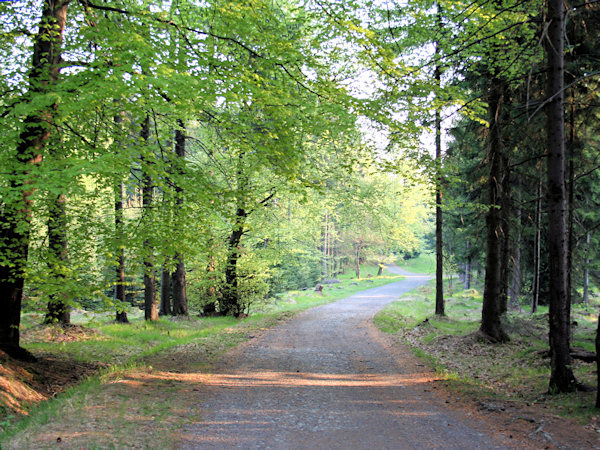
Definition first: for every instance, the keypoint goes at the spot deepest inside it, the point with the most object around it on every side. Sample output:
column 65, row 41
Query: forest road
column 329, row 379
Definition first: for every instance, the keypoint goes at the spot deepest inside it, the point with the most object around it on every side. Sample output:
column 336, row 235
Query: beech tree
column 15, row 218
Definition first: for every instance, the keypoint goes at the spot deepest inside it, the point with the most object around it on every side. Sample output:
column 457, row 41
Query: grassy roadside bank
column 516, row 372
column 150, row 376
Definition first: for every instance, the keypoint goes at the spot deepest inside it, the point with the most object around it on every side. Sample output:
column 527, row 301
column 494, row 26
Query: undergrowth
column 517, row 371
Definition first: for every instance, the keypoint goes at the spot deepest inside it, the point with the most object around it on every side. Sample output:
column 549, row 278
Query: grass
column 152, row 371
column 516, row 371
column 424, row 263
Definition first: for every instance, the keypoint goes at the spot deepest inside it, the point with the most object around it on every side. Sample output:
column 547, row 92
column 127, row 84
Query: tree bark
column 505, row 218
column 562, row 378
column 230, row 304
column 439, row 239
column 586, row 270
column 58, row 309
column 165, row 292
column 537, row 247
column 119, row 295
column 324, row 246
column 150, row 304
column 357, row 246
column 16, row 214
column 515, row 285
column 468, row 267
column 493, row 305
column 180, row 301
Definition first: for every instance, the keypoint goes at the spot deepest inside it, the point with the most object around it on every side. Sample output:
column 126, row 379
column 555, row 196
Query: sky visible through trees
column 202, row 157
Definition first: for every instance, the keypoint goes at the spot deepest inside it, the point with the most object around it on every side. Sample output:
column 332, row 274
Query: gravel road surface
column 328, row 379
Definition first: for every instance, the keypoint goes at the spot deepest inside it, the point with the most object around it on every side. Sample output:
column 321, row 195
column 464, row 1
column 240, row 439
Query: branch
column 568, row 86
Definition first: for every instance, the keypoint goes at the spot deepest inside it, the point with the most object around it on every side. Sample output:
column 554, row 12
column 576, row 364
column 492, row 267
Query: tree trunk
column 231, row 304
column 324, row 246
column 165, row 292
column 210, row 308
column 493, row 308
column 505, row 218
column 119, row 295
column 58, row 309
column 357, row 260
column 561, row 377
column 537, row 247
column 180, row 301
column 150, row 304
column 586, row 270
column 468, row 267
column 571, row 204
column 515, row 286
column 16, row 214
column 439, row 239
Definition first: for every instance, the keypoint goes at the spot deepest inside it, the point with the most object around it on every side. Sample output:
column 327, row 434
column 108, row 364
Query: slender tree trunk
column 119, row 295
column 180, row 301
column 493, row 308
column 324, row 242
column 357, row 260
column 230, row 304
column 561, row 377
column 439, row 239
column 515, row 286
column 505, row 217
column 210, row 308
column 586, row 270
column 58, row 309
column 150, row 303
column 537, row 247
column 468, row 267
column 16, row 215
column 571, row 204
column 165, row 292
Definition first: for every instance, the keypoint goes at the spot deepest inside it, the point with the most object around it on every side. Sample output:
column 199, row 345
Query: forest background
column 201, row 157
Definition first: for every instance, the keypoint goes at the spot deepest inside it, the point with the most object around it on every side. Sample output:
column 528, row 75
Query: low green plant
column 140, row 345
column 518, row 370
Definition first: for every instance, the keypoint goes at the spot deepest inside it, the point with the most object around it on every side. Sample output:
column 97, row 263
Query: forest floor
column 325, row 379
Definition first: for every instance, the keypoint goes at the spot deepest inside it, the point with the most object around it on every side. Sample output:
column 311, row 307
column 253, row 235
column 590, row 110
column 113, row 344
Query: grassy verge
column 517, row 371
column 153, row 372
column 424, row 263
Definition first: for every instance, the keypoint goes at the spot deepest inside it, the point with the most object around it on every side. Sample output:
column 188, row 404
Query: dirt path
column 329, row 379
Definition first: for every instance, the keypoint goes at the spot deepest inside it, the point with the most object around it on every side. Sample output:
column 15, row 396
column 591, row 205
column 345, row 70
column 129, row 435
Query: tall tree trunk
column 165, row 292
column 119, row 295
column 231, row 304
column 493, row 308
column 58, row 309
column 515, row 285
column 505, row 218
column 180, row 301
column 468, row 267
column 586, row 270
column 562, row 378
column 16, row 214
column 210, row 308
column 150, row 304
column 571, row 204
column 357, row 260
column 537, row 246
column 439, row 239
column 324, row 246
